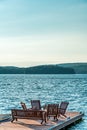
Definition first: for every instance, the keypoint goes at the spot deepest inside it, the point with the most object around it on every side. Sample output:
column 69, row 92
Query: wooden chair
column 23, row 106
column 62, row 109
column 52, row 111
column 36, row 104
column 28, row 114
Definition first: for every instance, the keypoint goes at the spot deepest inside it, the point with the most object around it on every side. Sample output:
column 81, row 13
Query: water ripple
column 47, row 88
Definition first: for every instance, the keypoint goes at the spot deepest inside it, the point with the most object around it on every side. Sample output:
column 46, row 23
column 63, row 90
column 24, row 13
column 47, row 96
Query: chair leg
column 42, row 121
column 62, row 115
column 58, row 115
column 48, row 117
column 65, row 116
column 55, row 117
column 12, row 120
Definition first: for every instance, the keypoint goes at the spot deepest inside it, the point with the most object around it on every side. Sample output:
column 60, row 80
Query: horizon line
column 43, row 64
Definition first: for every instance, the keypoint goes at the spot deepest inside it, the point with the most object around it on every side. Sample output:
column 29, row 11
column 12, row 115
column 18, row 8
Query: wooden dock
column 27, row 124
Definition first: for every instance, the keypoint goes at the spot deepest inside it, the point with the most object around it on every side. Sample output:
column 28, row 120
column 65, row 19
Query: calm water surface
column 47, row 88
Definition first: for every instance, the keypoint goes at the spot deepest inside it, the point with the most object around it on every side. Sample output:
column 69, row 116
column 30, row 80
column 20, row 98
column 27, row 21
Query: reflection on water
column 47, row 88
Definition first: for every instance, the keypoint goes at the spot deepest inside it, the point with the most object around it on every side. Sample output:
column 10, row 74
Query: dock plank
column 27, row 124
column 67, row 122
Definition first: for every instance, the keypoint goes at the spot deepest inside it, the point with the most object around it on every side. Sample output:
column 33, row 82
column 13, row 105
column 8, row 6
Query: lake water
column 47, row 88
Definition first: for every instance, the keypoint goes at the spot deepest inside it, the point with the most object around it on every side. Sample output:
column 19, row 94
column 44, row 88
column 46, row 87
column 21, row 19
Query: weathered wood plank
column 27, row 124
column 67, row 122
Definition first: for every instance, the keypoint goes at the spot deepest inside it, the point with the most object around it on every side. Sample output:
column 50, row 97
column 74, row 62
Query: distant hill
column 68, row 68
column 11, row 70
column 49, row 69
column 43, row 69
column 79, row 68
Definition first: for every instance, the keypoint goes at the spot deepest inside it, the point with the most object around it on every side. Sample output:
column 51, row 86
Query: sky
column 36, row 32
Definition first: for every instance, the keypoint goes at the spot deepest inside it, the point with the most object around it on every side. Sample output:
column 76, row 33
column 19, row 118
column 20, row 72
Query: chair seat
column 52, row 110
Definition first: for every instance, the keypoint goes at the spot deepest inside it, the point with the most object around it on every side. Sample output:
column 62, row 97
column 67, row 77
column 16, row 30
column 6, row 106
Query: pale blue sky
column 34, row 32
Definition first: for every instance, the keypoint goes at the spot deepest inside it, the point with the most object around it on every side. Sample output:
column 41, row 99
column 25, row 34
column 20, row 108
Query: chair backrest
column 36, row 104
column 23, row 106
column 52, row 109
column 63, row 107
